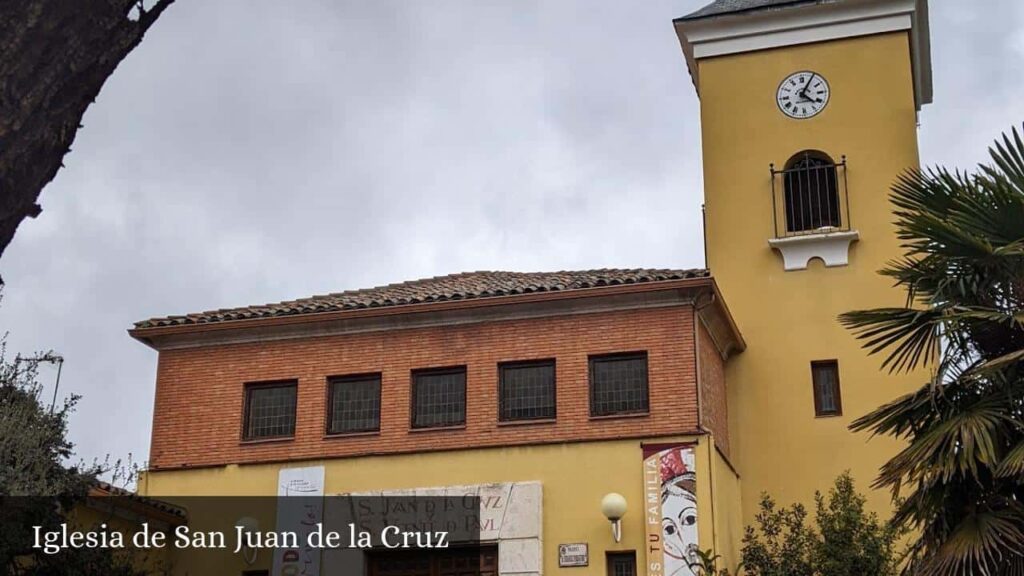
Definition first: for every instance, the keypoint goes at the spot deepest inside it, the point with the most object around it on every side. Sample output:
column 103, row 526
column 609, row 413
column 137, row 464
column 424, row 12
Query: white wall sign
column 299, row 515
column 573, row 555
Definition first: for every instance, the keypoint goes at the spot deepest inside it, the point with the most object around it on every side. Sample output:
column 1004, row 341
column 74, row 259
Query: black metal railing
column 810, row 196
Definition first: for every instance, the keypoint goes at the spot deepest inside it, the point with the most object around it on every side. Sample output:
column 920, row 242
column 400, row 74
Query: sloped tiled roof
column 464, row 286
column 101, row 489
column 723, row 7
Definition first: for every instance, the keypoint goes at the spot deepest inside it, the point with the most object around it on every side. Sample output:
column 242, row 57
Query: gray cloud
column 259, row 151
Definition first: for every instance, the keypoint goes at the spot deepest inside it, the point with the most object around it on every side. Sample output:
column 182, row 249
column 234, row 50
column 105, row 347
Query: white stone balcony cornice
column 832, row 246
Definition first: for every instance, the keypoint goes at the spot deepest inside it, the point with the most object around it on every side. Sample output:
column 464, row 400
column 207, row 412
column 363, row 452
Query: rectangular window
column 621, row 563
column 354, row 404
column 618, row 384
column 526, row 390
column 439, row 397
column 825, row 378
column 269, row 410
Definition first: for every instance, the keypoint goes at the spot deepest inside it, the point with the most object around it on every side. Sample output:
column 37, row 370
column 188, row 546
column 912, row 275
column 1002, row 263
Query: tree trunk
column 55, row 56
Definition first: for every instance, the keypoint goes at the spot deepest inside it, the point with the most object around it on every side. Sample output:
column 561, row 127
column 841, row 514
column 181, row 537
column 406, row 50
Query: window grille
column 527, row 390
column 813, row 195
column 355, row 404
column 618, row 384
column 621, row 563
column 269, row 410
column 439, row 397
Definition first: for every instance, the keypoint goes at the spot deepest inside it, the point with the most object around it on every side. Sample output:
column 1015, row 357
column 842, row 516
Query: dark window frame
column 819, row 411
column 248, row 389
column 612, row 558
column 594, row 359
column 333, row 382
column 441, row 371
column 503, row 366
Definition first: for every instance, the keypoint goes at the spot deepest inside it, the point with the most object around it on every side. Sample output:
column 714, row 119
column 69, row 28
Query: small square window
column 825, row 379
column 621, row 563
column 269, row 410
column 526, row 390
column 439, row 397
column 354, row 404
column 618, row 384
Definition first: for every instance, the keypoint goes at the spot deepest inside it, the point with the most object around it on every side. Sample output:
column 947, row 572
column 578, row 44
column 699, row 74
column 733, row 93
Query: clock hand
column 803, row 93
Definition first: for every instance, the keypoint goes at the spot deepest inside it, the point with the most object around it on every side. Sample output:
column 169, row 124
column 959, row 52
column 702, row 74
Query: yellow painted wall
column 574, row 476
column 789, row 318
column 726, row 500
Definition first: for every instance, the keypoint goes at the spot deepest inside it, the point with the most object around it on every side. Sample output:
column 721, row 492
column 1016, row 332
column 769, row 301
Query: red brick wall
column 199, row 392
column 714, row 403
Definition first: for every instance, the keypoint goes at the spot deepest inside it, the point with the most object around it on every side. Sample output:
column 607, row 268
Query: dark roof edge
column 453, row 287
column 143, row 334
column 694, row 16
column 149, row 506
column 701, row 293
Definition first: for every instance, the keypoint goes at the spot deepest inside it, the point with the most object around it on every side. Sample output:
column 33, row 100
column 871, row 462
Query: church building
column 615, row 421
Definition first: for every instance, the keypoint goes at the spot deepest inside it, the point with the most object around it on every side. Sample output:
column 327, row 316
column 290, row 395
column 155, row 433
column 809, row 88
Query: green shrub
column 707, row 564
column 847, row 541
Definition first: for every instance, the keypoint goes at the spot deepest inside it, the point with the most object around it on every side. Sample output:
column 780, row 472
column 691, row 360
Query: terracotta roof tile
column 724, row 7
column 464, row 286
column 101, row 488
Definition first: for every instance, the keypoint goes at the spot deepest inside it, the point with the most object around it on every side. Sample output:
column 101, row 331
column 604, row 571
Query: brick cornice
column 256, row 461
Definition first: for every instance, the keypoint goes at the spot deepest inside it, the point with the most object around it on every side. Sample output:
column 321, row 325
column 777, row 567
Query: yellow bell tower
column 809, row 114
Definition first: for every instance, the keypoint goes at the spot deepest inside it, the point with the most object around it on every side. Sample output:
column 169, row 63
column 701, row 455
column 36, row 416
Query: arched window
column 811, row 192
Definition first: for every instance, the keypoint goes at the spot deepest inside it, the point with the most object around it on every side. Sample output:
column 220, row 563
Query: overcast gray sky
column 256, row 151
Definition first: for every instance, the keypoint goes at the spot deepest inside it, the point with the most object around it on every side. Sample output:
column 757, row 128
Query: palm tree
column 959, row 482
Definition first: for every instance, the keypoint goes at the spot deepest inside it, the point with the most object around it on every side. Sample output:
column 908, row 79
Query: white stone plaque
column 573, row 555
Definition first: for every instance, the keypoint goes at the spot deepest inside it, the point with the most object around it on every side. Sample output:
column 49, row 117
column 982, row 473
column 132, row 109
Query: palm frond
column 999, row 363
column 981, row 544
column 1012, row 464
column 962, row 269
column 897, row 418
column 957, row 445
column 1009, row 158
column 930, row 216
column 912, row 334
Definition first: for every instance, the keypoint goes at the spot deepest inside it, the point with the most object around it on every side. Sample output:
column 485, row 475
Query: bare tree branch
column 55, row 56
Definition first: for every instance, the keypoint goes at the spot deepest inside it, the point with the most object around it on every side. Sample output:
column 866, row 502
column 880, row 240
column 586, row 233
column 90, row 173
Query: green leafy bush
column 847, row 541
column 707, row 564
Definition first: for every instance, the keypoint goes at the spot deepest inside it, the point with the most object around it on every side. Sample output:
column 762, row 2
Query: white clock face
column 803, row 94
